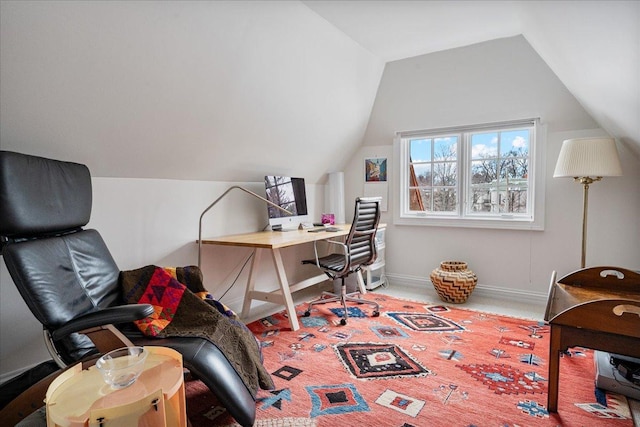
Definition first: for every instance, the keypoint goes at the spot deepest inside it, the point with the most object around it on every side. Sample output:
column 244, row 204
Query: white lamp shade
column 588, row 157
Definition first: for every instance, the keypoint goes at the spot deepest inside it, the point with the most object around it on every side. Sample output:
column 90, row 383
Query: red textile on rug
column 418, row 364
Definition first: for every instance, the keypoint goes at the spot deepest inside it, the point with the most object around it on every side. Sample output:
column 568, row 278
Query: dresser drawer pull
column 618, row 274
column 619, row 310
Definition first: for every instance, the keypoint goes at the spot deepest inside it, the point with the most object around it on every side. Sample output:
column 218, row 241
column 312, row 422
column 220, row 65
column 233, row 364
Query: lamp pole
column 585, row 181
column 220, row 198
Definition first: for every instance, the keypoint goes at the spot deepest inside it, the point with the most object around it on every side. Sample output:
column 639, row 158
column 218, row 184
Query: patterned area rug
column 416, row 365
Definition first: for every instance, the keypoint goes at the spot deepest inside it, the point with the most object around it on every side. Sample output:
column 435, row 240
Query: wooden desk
column 273, row 241
column 597, row 308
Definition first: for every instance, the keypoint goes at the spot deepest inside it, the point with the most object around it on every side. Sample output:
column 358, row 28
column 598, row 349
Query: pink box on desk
column 328, row 219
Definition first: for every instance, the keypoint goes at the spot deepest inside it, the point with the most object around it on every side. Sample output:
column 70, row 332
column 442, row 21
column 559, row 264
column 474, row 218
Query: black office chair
column 69, row 281
column 358, row 250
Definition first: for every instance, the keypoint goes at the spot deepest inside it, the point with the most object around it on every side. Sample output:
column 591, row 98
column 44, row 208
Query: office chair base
column 343, row 298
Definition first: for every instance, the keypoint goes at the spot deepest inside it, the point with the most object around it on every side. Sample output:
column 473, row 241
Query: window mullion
column 462, row 174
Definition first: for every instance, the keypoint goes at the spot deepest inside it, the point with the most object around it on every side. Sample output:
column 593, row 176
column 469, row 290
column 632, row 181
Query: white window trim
column 538, row 165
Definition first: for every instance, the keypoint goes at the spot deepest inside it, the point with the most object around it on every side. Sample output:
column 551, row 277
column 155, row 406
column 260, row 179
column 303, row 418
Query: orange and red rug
column 417, row 364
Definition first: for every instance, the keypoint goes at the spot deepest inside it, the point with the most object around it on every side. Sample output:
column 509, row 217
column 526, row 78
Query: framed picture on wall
column 375, row 169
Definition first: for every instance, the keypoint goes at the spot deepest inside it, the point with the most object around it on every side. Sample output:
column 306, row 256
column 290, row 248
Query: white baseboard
column 493, row 292
column 421, row 285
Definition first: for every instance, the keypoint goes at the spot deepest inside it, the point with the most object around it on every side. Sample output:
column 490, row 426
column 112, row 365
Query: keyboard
column 329, row 229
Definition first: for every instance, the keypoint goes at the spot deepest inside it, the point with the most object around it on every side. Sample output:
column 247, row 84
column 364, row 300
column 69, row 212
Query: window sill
column 497, row 223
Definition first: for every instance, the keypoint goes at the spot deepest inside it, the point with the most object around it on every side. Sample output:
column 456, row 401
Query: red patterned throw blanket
column 183, row 308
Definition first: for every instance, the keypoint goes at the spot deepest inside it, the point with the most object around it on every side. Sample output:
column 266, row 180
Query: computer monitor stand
column 279, row 227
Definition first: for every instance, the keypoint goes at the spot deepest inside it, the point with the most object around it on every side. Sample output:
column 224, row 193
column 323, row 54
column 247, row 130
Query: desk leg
column 554, row 368
column 284, row 288
column 251, row 282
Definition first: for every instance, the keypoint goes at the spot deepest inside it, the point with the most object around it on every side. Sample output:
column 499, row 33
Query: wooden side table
column 79, row 398
column 597, row 308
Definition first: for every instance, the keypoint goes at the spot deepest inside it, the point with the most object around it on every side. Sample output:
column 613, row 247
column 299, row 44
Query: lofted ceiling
column 235, row 90
column 592, row 46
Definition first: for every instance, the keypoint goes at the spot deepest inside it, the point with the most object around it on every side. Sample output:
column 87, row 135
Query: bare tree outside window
column 280, row 191
column 493, row 163
column 499, row 172
column 434, row 174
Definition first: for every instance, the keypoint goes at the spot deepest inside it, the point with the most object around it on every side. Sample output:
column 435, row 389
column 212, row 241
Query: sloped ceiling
column 234, row 90
column 592, row 46
column 199, row 90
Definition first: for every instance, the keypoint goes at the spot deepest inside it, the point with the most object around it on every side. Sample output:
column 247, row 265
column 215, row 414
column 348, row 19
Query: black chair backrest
column 361, row 237
column 61, row 270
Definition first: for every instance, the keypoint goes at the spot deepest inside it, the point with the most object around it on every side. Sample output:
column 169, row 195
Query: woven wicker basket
column 453, row 281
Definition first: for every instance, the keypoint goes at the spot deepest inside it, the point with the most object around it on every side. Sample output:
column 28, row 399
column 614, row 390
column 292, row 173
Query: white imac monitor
column 290, row 194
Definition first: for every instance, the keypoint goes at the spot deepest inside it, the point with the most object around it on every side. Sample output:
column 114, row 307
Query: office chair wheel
column 375, row 314
column 307, row 313
column 343, row 322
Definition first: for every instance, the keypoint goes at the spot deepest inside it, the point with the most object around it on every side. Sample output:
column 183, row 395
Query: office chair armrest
column 341, row 244
column 335, row 242
column 110, row 315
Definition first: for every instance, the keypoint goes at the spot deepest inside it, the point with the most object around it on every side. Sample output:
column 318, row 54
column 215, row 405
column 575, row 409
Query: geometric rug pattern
column 417, row 364
column 502, row 378
column 335, row 399
column 425, row 322
column 378, row 361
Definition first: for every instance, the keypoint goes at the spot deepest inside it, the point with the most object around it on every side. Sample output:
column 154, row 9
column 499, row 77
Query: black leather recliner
column 69, row 280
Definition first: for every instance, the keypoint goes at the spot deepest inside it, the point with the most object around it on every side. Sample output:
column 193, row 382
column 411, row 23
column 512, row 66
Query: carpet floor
column 417, row 364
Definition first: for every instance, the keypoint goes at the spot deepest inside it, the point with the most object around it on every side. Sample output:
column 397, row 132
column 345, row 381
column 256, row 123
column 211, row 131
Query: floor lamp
column 587, row 160
column 220, row 198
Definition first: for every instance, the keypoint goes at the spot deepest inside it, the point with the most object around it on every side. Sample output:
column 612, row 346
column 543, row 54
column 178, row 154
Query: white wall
column 596, row 54
column 196, row 90
column 147, row 221
column 493, row 81
column 150, row 221
column 148, row 93
column 518, row 264
column 61, row 99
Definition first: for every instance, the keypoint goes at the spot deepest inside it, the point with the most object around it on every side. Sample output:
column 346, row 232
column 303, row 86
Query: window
column 473, row 176
column 433, row 174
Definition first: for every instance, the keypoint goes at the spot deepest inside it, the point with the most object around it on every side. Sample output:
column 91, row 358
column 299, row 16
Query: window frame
column 534, row 220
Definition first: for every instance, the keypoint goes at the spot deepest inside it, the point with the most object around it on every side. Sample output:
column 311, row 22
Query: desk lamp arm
column 220, row 198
